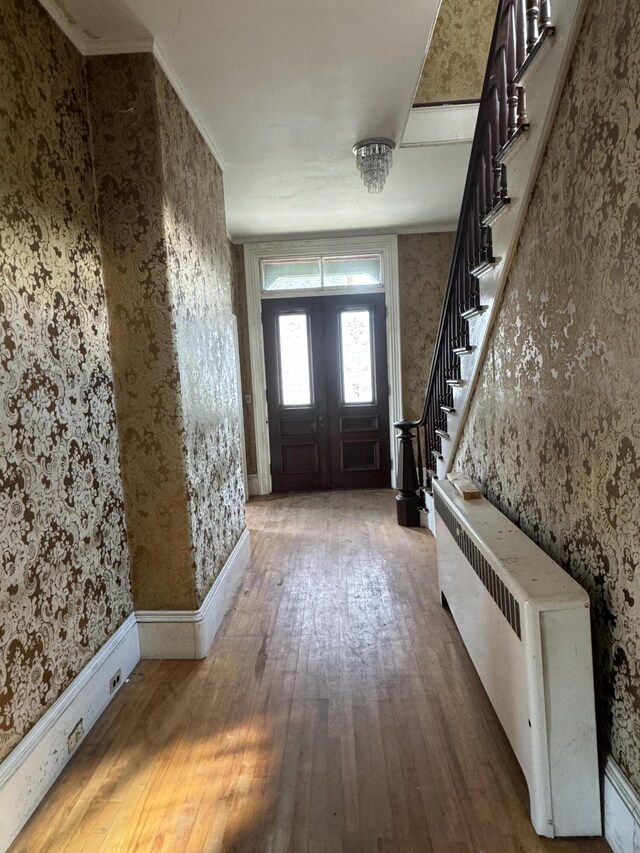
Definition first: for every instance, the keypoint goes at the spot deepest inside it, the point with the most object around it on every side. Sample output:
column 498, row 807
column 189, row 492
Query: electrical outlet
column 115, row 681
column 76, row 735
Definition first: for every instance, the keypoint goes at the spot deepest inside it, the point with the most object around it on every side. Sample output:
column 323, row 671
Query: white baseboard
column 621, row 810
column 180, row 634
column 32, row 767
column 254, row 488
column 431, row 513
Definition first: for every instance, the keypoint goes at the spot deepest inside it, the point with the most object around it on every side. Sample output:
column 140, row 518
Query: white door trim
column 387, row 246
column 236, row 343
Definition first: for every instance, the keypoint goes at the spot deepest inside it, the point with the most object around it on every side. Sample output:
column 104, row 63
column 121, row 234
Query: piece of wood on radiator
column 465, row 487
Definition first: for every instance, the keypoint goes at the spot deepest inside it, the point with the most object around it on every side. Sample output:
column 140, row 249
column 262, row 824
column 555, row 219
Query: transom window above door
column 325, row 272
column 321, row 272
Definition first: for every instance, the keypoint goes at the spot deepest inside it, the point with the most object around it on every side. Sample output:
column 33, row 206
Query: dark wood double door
column 327, row 392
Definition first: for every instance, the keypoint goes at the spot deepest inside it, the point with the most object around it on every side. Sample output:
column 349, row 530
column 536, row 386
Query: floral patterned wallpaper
column 201, row 283
column 168, row 268
column 457, row 57
column 240, row 310
column 423, row 269
column 554, row 430
column 64, row 580
column 128, row 163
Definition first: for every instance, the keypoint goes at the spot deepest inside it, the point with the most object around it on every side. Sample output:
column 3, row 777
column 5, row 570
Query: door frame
column 387, row 247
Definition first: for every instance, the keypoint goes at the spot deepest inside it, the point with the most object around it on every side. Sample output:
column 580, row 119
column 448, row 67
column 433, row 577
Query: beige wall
column 554, row 431
column 423, row 269
column 457, row 58
column 64, row 584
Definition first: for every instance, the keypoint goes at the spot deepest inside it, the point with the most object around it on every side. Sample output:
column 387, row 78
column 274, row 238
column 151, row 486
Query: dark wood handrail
column 520, row 28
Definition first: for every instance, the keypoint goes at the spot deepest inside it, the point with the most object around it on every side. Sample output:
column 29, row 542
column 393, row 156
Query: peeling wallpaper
column 554, row 429
column 129, row 179
column 457, row 57
column 423, row 269
column 201, row 283
column 64, row 581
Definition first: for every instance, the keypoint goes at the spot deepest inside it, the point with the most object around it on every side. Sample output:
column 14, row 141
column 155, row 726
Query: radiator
column 525, row 623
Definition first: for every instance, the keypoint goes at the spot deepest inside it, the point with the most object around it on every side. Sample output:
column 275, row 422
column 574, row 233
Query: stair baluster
column 520, row 28
column 533, row 18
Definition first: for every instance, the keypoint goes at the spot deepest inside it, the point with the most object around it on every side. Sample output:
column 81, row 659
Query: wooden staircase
column 530, row 52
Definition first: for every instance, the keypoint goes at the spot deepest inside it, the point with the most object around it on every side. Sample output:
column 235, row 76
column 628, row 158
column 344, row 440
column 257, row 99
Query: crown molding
column 68, row 27
column 89, row 46
column 102, row 47
column 187, row 103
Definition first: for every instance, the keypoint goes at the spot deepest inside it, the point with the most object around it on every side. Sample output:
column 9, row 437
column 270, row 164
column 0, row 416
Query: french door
column 327, row 391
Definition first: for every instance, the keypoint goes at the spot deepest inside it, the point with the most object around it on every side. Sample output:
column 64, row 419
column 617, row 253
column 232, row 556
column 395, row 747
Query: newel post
column 407, row 500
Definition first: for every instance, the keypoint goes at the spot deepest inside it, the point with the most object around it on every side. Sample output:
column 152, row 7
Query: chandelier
column 374, row 158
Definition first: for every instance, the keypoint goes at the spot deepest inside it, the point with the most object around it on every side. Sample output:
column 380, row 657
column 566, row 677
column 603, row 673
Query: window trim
column 324, row 289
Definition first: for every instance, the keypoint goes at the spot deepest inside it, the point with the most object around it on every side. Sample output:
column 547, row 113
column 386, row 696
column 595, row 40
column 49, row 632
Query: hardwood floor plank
column 338, row 712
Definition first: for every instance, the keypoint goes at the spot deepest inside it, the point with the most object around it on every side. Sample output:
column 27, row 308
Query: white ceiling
column 283, row 89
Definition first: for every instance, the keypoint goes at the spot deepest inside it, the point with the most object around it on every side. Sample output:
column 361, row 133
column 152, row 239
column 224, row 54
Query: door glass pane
column 356, row 356
column 295, row 372
column 291, row 274
column 346, row 272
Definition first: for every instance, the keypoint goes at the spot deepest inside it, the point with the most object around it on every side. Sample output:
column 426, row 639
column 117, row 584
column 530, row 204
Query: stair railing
column 520, row 28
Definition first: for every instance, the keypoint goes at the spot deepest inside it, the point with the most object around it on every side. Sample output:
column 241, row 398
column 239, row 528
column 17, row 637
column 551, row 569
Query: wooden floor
column 337, row 711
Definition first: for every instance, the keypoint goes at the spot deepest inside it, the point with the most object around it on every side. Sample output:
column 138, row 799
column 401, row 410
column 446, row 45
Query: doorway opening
column 325, row 362
column 327, row 392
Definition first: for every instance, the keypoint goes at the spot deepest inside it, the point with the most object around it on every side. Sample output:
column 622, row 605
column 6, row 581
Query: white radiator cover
column 525, row 623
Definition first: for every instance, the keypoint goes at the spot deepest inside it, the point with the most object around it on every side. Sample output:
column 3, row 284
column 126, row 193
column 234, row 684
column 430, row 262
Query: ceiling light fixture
column 374, row 158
